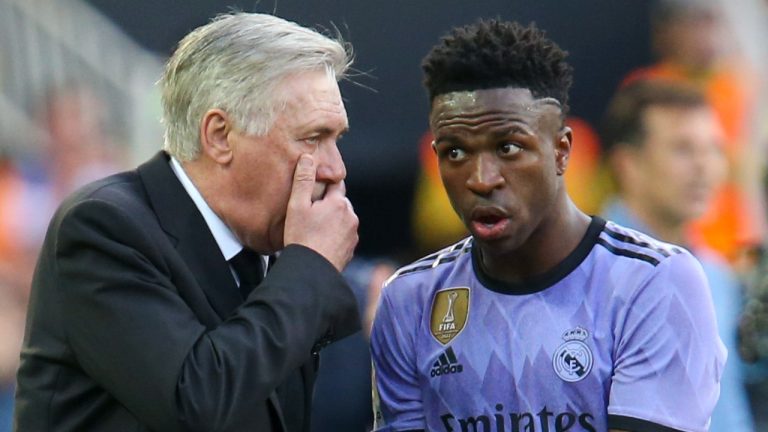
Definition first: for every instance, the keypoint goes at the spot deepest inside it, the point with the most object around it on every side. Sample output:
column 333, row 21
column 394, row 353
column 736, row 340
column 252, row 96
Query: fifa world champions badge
column 573, row 358
column 450, row 309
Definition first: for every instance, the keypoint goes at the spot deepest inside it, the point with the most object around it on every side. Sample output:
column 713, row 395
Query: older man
column 150, row 307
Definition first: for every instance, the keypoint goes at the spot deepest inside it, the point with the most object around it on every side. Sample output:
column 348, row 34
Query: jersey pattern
column 620, row 335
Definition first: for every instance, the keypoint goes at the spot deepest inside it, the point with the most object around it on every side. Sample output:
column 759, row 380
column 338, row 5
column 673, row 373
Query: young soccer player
column 544, row 319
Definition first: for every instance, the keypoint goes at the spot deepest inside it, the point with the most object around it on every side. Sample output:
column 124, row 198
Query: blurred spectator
column 663, row 143
column 14, row 276
column 343, row 388
column 753, row 344
column 78, row 150
column 11, row 334
column 693, row 46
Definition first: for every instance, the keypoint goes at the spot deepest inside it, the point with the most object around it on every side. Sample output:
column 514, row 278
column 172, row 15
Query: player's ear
column 563, row 147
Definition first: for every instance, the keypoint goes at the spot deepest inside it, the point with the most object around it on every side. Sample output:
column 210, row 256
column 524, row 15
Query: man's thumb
column 304, row 178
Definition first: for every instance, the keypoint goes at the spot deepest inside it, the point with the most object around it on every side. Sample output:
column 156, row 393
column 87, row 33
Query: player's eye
column 455, row 154
column 509, row 149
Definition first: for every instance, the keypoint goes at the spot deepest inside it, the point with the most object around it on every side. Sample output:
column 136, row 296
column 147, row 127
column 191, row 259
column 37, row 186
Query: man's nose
column 330, row 165
column 486, row 175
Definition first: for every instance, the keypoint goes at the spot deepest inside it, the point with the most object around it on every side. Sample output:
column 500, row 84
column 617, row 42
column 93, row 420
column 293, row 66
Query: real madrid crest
column 450, row 309
column 573, row 358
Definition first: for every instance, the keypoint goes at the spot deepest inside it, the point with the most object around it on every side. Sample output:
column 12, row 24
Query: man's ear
column 215, row 128
column 563, row 149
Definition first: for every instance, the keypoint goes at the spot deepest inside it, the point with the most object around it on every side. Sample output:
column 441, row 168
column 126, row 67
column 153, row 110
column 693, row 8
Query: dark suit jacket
column 136, row 323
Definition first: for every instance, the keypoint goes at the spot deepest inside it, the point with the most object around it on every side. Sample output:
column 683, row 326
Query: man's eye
column 456, row 154
column 508, row 149
column 314, row 141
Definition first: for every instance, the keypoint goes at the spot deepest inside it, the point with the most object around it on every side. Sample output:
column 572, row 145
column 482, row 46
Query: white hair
column 235, row 63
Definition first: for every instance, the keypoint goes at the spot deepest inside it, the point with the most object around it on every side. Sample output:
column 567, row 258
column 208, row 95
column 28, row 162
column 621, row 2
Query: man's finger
column 303, row 179
column 336, row 189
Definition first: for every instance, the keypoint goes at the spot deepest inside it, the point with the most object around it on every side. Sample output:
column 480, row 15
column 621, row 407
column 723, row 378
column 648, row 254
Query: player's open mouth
column 489, row 223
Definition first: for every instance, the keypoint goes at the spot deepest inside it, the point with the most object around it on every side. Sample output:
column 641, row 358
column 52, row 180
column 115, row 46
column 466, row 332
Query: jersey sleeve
column 397, row 397
column 668, row 357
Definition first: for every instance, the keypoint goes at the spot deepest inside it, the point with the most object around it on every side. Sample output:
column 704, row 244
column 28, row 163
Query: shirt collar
column 224, row 237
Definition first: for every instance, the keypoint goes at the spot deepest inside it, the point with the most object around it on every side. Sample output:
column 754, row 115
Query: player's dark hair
column 497, row 54
column 623, row 122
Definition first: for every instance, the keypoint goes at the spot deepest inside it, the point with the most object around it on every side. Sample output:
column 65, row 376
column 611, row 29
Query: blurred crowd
column 718, row 210
column 76, row 149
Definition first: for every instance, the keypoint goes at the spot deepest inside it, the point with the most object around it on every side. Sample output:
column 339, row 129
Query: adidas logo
column 446, row 364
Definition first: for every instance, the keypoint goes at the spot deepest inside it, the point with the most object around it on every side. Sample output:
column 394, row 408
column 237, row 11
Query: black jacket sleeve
column 131, row 330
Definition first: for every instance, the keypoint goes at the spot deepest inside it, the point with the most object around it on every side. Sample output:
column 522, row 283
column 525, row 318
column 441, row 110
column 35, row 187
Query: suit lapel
column 181, row 219
column 183, row 222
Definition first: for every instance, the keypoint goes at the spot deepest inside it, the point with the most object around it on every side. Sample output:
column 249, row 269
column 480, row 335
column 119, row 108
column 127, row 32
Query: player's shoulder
column 627, row 244
column 425, row 270
column 433, row 261
column 640, row 266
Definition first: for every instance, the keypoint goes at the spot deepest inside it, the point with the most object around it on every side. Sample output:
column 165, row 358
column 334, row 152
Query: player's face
column 501, row 155
column 312, row 120
column 680, row 163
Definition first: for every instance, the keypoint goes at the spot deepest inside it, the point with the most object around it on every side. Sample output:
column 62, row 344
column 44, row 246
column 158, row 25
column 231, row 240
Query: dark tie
column 250, row 270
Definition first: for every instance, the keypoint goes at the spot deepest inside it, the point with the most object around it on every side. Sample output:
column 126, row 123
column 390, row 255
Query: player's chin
column 506, row 241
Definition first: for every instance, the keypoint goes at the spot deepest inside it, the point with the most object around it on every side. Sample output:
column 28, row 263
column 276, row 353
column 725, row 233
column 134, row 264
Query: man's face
column 680, row 163
column 501, row 155
column 311, row 122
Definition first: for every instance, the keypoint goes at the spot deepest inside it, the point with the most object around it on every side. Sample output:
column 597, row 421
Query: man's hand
column 329, row 225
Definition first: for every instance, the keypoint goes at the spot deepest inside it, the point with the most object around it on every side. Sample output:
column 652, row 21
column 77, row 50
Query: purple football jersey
column 621, row 334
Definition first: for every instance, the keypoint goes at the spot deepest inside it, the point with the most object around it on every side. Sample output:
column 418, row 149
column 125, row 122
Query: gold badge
column 450, row 309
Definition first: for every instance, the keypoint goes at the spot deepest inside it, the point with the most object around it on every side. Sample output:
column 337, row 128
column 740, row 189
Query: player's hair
column 623, row 122
column 497, row 54
column 235, row 63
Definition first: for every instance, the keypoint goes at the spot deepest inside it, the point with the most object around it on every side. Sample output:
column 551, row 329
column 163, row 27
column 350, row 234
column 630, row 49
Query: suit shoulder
column 112, row 202
column 113, row 187
column 123, row 190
